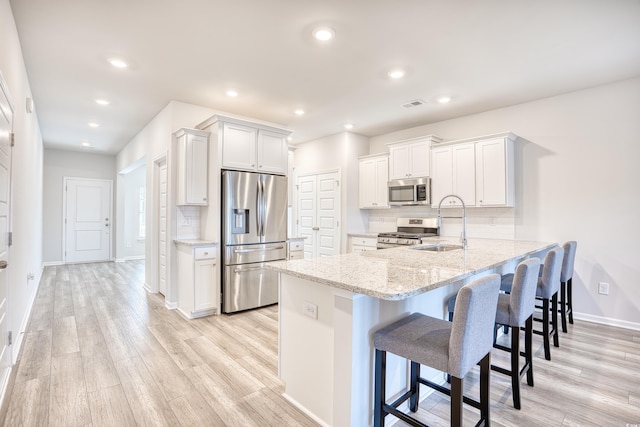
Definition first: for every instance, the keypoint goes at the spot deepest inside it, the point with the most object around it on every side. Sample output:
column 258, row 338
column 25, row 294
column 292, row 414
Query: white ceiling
column 486, row 54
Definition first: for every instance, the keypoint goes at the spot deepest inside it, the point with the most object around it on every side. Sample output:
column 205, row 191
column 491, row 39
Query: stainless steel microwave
column 410, row 192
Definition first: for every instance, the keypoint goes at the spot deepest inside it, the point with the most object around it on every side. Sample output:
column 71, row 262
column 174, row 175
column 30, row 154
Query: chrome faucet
column 464, row 218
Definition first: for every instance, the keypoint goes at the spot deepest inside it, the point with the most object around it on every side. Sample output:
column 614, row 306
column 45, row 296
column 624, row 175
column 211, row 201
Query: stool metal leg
column 528, row 349
column 570, row 300
column 545, row 329
column 456, row 401
column 563, row 305
column 554, row 319
column 380, row 385
column 515, row 369
column 414, row 400
column 485, row 375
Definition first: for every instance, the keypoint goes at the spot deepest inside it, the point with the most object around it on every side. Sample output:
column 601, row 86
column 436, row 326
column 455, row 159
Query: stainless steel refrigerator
column 254, row 231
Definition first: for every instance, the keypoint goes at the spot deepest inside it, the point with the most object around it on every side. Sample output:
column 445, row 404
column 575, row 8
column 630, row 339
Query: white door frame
column 64, row 214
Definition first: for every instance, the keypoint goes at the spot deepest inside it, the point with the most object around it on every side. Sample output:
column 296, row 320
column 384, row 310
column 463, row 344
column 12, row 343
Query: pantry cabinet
column 453, row 172
column 410, row 158
column 373, row 179
column 198, row 287
column 254, row 149
column 192, row 166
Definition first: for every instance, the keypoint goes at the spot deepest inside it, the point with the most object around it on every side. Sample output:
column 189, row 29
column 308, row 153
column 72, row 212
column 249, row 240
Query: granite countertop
column 363, row 234
column 400, row 273
column 295, row 238
column 194, row 242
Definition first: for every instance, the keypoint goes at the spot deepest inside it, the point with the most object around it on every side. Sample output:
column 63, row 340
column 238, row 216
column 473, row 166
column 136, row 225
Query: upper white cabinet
column 410, row 159
column 479, row 170
column 192, row 160
column 254, row 149
column 374, row 175
column 453, row 172
column 495, row 175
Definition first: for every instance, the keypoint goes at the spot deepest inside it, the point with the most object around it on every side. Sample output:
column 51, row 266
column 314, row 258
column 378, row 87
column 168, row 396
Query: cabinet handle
column 315, row 228
column 204, row 199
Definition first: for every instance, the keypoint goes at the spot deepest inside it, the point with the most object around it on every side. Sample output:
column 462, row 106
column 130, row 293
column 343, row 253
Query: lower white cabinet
column 362, row 244
column 198, row 286
column 295, row 249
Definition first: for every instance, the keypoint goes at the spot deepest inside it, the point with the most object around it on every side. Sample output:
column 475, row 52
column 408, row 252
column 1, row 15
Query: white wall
column 577, row 173
column 129, row 245
column 57, row 165
column 26, row 252
column 339, row 151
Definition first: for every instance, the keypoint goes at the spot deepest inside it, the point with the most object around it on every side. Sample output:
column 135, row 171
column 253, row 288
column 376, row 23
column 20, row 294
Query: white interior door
column 87, row 220
column 319, row 214
column 162, row 229
column 6, row 117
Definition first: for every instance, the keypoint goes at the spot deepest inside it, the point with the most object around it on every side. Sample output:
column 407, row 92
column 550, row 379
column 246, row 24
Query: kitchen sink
column 437, row 248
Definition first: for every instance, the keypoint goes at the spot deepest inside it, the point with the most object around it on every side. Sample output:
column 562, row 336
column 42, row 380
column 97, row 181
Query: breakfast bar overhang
column 331, row 306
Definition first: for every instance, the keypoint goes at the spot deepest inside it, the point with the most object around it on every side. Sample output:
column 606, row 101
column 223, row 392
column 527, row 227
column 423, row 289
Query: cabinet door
column 464, row 173
column 381, row 181
column 239, row 147
column 272, row 152
column 418, row 159
column 367, row 181
column 441, row 175
column 399, row 167
column 491, row 174
column 206, row 293
column 196, row 169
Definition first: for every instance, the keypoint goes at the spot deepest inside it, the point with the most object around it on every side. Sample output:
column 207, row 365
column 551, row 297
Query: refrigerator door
column 249, row 286
column 274, row 209
column 241, row 215
column 247, row 254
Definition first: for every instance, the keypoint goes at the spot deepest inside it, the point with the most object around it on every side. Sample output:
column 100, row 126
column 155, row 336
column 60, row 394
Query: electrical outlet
column 186, row 221
column 30, row 276
column 603, row 288
column 128, row 244
column 310, row 310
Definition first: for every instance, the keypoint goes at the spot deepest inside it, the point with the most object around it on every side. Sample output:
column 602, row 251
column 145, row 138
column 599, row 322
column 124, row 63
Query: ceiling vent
column 414, row 103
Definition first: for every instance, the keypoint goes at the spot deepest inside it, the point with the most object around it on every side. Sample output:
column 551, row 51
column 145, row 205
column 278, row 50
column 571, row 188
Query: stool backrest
column 522, row 300
column 473, row 321
column 568, row 260
column 549, row 282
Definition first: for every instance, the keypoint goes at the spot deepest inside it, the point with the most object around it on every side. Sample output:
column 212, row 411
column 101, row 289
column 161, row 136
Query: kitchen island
column 331, row 306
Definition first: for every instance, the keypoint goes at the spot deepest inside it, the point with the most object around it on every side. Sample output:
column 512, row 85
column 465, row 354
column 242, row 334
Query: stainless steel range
column 410, row 232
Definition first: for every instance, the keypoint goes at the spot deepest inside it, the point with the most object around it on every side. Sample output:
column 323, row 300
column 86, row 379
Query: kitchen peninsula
column 331, row 306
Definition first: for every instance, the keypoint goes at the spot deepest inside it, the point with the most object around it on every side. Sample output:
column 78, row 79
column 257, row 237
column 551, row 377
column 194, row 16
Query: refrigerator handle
column 260, row 207
column 258, row 210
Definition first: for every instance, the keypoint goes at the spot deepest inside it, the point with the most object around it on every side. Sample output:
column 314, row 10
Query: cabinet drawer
column 207, row 252
column 365, row 241
column 295, row 245
column 296, row 255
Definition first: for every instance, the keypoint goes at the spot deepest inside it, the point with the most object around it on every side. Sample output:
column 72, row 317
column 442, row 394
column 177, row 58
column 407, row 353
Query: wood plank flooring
column 100, row 351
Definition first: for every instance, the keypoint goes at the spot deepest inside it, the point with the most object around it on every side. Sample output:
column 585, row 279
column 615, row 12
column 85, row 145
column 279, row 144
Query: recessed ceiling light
column 118, row 63
column 324, row 33
column 299, row 112
column 396, row 73
column 444, row 99
column 102, row 102
column 93, row 124
column 86, row 144
column 232, row 93
column 348, row 126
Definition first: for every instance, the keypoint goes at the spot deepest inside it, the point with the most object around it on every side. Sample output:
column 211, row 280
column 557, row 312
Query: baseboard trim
column 304, row 410
column 52, row 263
column 607, row 321
column 130, row 258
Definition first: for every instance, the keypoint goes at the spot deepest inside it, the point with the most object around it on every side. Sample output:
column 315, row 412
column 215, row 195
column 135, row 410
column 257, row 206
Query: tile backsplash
column 492, row 223
column 188, row 222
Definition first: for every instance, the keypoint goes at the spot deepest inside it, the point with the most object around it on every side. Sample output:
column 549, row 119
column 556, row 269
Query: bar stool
column 566, row 278
column 451, row 347
column 515, row 310
column 547, row 291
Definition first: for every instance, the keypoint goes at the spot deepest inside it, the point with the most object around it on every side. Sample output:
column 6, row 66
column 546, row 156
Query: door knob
column 3, row 265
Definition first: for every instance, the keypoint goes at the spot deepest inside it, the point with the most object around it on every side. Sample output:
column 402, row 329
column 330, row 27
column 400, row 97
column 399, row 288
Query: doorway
column 319, row 213
column 87, row 220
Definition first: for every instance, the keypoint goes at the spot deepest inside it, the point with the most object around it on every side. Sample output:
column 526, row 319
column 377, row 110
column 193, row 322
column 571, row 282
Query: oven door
column 381, row 245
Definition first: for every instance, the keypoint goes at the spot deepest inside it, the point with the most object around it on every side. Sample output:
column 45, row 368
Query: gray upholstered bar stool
column 515, row 310
column 451, row 347
column 566, row 279
column 547, row 291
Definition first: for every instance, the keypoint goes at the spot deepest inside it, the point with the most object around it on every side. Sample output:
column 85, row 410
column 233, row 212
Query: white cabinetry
column 295, row 249
column 362, row 244
column 453, row 172
column 374, row 175
column 198, row 286
column 410, row 159
column 192, row 160
column 254, row 149
column 495, row 175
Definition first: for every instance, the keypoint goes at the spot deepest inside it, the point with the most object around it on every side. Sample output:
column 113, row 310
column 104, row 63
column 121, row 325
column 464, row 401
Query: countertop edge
column 194, row 242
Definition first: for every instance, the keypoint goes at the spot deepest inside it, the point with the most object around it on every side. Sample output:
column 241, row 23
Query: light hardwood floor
column 100, row 351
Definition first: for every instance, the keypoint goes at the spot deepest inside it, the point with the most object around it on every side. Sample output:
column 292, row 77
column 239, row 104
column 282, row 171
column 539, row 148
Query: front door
column 87, row 220
column 6, row 117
